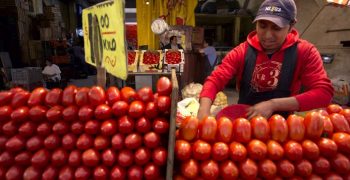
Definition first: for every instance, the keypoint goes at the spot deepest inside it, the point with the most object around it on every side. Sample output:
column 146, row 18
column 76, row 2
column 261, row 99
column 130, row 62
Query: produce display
column 84, row 133
column 173, row 57
column 151, row 57
column 316, row 146
column 133, row 57
column 151, row 61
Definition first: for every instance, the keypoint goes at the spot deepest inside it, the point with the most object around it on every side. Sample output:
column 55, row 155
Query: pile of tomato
column 151, row 57
column 131, row 57
column 312, row 147
column 84, row 133
column 173, row 57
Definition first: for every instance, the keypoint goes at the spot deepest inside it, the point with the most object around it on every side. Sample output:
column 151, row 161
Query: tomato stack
column 84, row 133
column 131, row 57
column 314, row 146
column 172, row 57
column 150, row 57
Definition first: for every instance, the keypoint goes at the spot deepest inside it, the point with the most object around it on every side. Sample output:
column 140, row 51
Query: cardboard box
column 151, row 61
column 174, row 59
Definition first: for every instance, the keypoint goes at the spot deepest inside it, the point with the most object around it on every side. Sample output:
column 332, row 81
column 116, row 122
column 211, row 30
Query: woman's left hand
column 265, row 109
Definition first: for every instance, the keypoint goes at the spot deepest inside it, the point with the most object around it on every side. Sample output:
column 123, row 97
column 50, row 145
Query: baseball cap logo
column 273, row 9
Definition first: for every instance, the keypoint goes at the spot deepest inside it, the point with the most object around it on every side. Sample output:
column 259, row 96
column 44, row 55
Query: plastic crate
column 26, row 75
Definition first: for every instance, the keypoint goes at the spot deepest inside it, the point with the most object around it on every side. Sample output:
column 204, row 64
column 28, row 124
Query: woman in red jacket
column 271, row 66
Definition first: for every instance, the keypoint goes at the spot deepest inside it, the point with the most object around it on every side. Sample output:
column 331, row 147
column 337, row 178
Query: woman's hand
column 204, row 108
column 265, row 109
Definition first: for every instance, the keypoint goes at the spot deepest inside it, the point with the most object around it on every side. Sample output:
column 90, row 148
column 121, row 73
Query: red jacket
column 309, row 72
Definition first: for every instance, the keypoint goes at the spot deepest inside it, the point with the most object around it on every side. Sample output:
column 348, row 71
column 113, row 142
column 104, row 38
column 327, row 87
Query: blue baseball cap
column 280, row 12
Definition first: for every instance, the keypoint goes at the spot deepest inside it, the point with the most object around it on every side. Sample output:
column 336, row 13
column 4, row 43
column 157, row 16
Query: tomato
column 101, row 173
column 209, row 169
column 237, row 151
column 68, row 141
column 86, row 113
column 346, row 114
column 68, row 96
column 327, row 127
column 9, row 128
column 136, row 109
column 22, row 159
column 5, row 97
column 125, row 158
column 113, row 95
column 15, row 144
column 66, row 173
column 50, row 173
column 52, row 141
column 20, row 99
column 31, row 173
column 328, row 148
column 201, row 150
column 260, row 128
column 84, row 142
column 16, row 90
column 37, row 113
column 321, row 166
column 228, row 170
column 279, row 128
column 183, row 150
column 224, row 132
column 303, row 168
column 91, row 158
column 128, row 94
column 189, row 128
column 151, row 110
column 82, row 96
column 97, row 96
column 82, row 173
column 274, row 150
column 296, row 127
column 333, row 176
column 59, row 157
column 293, row 150
column 54, row 97
column 313, row 122
column 44, row 129
column 60, row 128
column 339, row 122
column 143, row 125
column 37, row 97
column 207, row 129
column 334, row 108
column 164, row 86
column 109, row 127
column 120, row 108
column 34, row 143
column 310, row 150
column 267, row 169
column 118, row 173
column 285, row 168
column 101, row 142
column 74, row 158
column 241, row 131
column 118, row 141
column 151, row 171
column 135, row 172
column 257, row 150
column 92, row 127
column 70, row 113
column 2, row 172
column 3, row 140
column 343, row 142
column 41, row 158
column 190, row 169
column 125, row 125
column 160, row 126
column 5, row 113
column 163, row 103
column 14, row 172
column 220, row 151
column 248, row 169
column 159, row 156
column 27, row 129
column 133, row 141
column 142, row 156
column 20, row 114
column 54, row 114
column 340, row 164
column 151, row 140
column 103, row 111
column 145, row 94
column 6, row 158
column 77, row 127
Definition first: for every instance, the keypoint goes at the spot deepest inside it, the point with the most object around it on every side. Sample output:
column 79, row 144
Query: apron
column 247, row 95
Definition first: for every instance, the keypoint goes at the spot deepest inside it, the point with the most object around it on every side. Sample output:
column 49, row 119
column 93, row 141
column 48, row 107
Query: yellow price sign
column 104, row 37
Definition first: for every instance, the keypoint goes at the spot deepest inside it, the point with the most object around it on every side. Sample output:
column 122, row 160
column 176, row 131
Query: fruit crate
column 133, row 60
column 174, row 59
column 26, row 75
column 151, row 61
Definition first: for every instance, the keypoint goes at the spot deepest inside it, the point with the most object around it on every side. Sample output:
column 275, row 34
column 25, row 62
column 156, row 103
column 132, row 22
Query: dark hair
column 209, row 41
column 171, row 38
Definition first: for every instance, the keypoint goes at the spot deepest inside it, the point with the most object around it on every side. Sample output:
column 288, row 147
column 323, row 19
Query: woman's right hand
column 204, row 108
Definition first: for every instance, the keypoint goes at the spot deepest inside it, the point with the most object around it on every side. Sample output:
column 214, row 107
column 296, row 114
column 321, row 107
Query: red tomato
column 303, row 168
column 310, row 150
column 74, row 158
column 86, row 113
column 22, row 159
column 160, row 126
column 103, row 111
column 70, row 113
column 97, row 96
column 296, row 127
column 340, row 164
column 52, row 141
column 118, row 141
column 209, row 169
column 143, row 125
column 5, row 113
column 228, row 170
column 68, row 141
column 339, row 122
column 82, row 96
column 113, row 95
column 190, row 169
column 135, row 172
column 333, row 176
column 328, row 148
column 151, row 140
column 313, row 122
column 163, row 103
column 59, row 157
column 279, row 128
column 109, row 127
column 346, row 114
column 66, row 173
column 201, row 150
column 321, row 166
column 220, row 151
column 32, row 173
column 159, row 156
column 257, row 150
column 237, row 151
column 3, row 140
column 100, row 173
column 248, row 169
column 54, row 114
column 44, row 129
column 267, row 169
column 27, row 129
column 145, row 94
column 151, row 110
column 343, row 142
column 60, row 128
column 15, row 144
column 293, row 151
column 92, row 127
column 151, row 171
column 207, row 129
column 183, row 150
column 241, row 131
column 91, row 158
column 224, row 132
column 41, row 158
column 118, row 173
column 9, row 128
column 142, row 156
column 37, row 97
column 34, row 143
column 16, row 89
column 37, row 113
column 128, row 94
column 5, row 97
column 68, row 96
column 334, row 108
column 133, row 141
column 84, row 142
column 54, row 97
column 274, row 150
column 77, row 127
column 136, row 109
column 6, row 158
column 285, row 168
column 82, row 173
column 164, row 86
column 327, row 127
column 20, row 99
column 125, row 125
column 189, row 128
column 260, row 128
column 14, row 173
column 50, row 173
column 120, row 108
column 20, row 114
column 101, row 142
column 125, row 158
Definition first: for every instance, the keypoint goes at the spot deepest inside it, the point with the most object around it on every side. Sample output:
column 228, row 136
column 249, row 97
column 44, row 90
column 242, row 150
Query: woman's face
column 270, row 35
